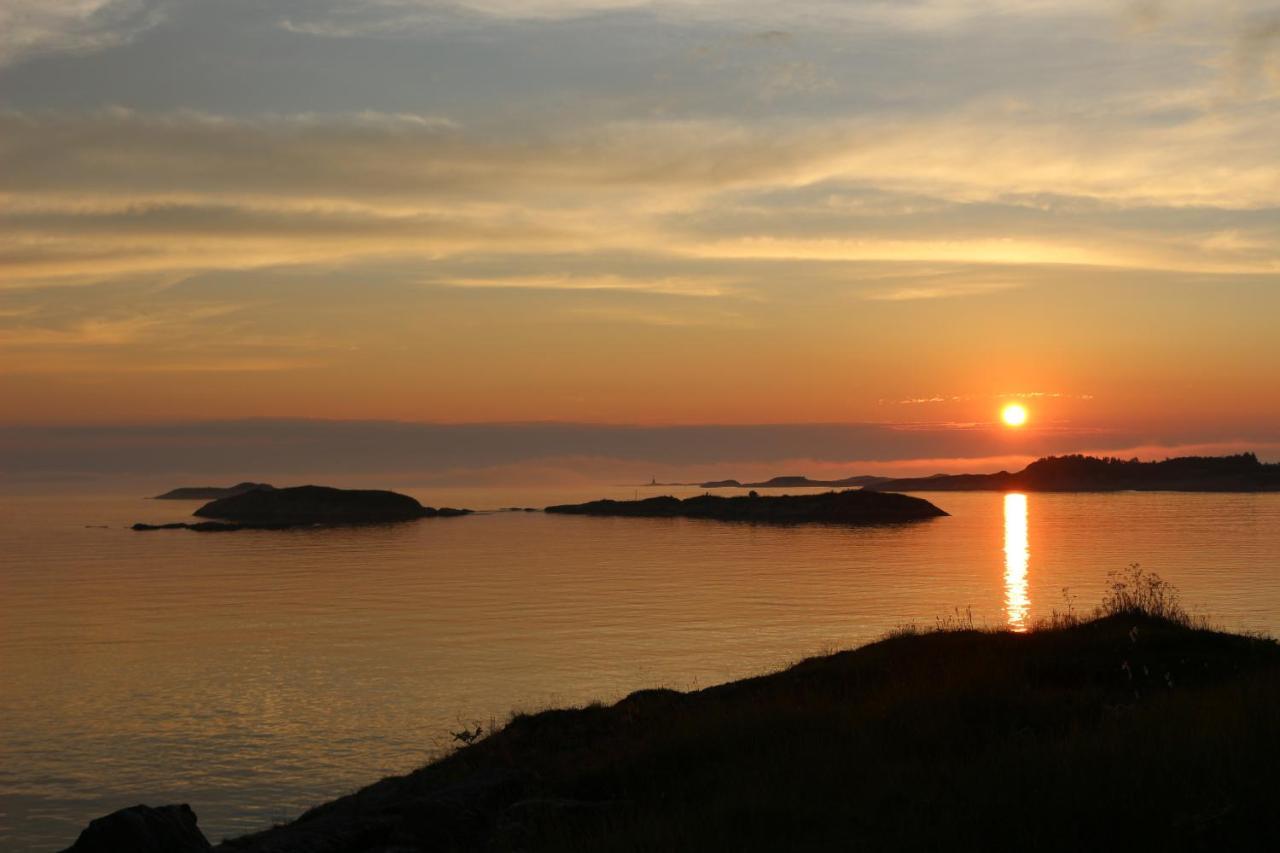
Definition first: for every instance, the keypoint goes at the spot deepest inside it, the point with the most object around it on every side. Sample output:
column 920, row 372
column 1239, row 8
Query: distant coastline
column 212, row 493
column 798, row 482
column 1076, row 473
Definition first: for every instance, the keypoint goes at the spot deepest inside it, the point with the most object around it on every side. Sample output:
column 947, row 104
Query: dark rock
column 851, row 507
column 304, row 505
column 207, row 526
column 399, row 813
column 142, row 829
column 209, row 493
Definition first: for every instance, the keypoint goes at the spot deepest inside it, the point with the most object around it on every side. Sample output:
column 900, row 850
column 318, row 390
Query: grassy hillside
column 1131, row 730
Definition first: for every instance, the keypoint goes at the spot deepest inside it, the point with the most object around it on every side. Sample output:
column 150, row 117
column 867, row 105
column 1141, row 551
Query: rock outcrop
column 143, row 829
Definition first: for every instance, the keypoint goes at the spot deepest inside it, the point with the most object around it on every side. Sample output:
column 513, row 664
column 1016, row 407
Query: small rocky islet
column 305, row 506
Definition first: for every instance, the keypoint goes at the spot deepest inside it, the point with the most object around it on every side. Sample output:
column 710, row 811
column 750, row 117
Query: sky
column 238, row 221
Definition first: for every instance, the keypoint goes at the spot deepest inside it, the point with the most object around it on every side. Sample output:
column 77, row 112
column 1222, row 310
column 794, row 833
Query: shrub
column 1137, row 592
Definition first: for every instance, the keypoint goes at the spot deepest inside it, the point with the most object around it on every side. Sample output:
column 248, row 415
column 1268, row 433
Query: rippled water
column 256, row 673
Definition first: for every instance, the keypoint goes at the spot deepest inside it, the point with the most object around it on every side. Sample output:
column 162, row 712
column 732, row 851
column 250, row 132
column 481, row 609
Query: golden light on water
column 1014, row 415
column 1017, row 554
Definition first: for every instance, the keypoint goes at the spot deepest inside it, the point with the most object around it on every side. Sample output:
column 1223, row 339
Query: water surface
column 254, row 674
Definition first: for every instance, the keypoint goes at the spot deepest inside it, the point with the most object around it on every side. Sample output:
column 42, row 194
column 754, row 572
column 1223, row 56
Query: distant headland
column 1239, row 473
column 210, row 493
column 798, row 482
column 849, row 507
column 305, row 506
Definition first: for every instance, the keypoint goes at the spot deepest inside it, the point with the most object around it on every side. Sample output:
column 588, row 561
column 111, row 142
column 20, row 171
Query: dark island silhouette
column 849, row 507
column 797, row 482
column 209, row 493
column 1135, row 730
column 305, row 506
column 1239, row 473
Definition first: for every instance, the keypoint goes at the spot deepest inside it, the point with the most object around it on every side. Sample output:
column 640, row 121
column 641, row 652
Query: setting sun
column 1014, row 415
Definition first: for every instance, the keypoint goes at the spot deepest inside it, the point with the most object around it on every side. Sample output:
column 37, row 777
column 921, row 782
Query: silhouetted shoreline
column 1131, row 731
column 1240, row 473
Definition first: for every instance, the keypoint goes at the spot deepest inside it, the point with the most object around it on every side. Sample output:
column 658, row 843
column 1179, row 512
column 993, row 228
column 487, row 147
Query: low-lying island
column 847, row 507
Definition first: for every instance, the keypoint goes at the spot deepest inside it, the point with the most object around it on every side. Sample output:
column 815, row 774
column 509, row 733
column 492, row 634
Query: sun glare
column 1014, row 415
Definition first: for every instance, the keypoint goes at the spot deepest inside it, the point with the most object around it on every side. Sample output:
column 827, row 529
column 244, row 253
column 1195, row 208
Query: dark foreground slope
column 850, row 507
column 1127, row 733
column 1240, row 473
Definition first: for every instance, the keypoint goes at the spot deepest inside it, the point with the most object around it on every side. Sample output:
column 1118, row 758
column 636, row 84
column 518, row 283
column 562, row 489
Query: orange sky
column 603, row 211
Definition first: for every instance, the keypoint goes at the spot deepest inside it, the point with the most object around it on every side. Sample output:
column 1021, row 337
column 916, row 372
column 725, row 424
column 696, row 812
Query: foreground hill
column 1241, row 473
column 851, row 507
column 1130, row 732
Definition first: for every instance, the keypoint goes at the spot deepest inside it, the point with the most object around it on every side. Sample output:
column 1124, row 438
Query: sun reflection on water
column 1017, row 555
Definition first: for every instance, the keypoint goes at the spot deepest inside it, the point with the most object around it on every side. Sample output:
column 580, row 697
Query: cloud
column 121, row 192
column 706, row 286
column 33, row 27
column 399, row 16
column 1256, row 57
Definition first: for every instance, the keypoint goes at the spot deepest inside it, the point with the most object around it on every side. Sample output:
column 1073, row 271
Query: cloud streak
column 34, row 27
column 121, row 192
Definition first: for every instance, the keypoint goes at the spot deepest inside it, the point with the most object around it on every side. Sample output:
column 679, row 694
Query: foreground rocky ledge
column 275, row 509
column 1125, row 733
column 849, row 507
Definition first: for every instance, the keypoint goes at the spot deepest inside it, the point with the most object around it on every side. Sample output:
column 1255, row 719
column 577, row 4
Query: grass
column 1135, row 728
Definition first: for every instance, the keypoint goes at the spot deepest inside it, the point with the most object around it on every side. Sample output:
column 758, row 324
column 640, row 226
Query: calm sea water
column 255, row 674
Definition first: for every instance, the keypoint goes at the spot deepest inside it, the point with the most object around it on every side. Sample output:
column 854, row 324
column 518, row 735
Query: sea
column 255, row 674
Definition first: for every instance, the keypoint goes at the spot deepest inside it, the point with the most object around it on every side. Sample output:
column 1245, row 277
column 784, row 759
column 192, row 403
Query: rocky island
column 209, row 493
column 300, row 506
column 1239, row 473
column 849, row 507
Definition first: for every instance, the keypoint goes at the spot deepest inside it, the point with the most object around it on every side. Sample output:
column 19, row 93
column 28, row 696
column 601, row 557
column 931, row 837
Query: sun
column 1014, row 415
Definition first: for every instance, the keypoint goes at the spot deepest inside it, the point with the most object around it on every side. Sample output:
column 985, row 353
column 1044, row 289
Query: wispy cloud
column 1010, row 395
column 121, row 191
column 33, row 27
column 668, row 286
